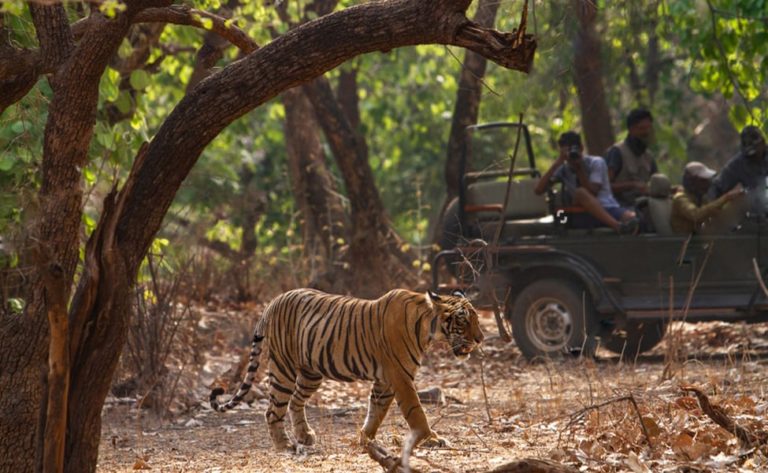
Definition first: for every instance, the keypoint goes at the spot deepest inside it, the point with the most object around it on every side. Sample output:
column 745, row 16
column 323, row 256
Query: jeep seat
column 660, row 203
column 518, row 228
column 526, row 213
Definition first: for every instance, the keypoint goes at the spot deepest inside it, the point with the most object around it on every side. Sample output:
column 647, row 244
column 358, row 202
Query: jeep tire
column 551, row 318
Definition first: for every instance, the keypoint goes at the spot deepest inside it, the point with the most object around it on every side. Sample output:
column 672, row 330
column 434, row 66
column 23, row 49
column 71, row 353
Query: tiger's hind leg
column 280, row 391
column 306, row 385
column 378, row 404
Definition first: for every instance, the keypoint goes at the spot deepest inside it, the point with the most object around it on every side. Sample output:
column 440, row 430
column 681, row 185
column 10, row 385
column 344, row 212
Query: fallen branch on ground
column 721, row 418
column 531, row 465
column 580, row 414
column 390, row 463
column 485, row 392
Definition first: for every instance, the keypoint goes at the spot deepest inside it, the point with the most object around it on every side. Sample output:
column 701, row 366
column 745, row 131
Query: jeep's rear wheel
column 636, row 337
column 551, row 318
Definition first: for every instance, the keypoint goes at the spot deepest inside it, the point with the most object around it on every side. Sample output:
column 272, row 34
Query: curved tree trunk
column 68, row 132
column 588, row 76
column 99, row 310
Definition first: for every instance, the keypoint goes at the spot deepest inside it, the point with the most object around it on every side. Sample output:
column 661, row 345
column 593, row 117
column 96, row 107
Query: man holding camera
column 585, row 184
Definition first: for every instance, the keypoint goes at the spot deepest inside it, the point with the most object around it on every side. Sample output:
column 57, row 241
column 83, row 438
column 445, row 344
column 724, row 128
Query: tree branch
column 53, row 33
column 212, row 49
column 184, row 15
column 391, row 463
column 513, row 50
column 294, row 58
column 19, row 70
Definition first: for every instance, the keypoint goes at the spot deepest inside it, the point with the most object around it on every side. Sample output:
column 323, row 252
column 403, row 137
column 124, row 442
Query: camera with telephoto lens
column 574, row 153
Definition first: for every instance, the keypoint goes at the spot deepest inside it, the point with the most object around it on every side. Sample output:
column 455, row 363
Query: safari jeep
column 566, row 290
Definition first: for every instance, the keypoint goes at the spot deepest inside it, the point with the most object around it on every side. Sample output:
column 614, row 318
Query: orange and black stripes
column 312, row 335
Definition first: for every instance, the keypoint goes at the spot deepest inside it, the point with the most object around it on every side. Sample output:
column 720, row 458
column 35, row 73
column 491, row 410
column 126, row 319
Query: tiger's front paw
column 434, row 441
column 284, row 444
column 307, row 437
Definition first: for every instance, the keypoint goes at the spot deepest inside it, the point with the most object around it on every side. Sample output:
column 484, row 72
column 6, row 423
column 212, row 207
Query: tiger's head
column 456, row 322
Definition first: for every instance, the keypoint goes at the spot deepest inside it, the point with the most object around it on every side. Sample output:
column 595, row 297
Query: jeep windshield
column 491, row 147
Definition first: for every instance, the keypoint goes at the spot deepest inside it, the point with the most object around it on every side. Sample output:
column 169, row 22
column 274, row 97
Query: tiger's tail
column 253, row 365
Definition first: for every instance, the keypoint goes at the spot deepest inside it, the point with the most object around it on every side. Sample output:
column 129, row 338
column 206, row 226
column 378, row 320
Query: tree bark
column 588, row 77
column 313, row 187
column 346, row 94
column 53, row 33
column 99, row 310
column 208, row 55
column 58, row 368
column 67, row 136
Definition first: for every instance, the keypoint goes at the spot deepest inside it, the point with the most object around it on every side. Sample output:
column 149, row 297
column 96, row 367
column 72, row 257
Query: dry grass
column 543, row 410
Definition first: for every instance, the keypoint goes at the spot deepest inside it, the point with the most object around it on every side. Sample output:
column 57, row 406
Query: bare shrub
column 162, row 340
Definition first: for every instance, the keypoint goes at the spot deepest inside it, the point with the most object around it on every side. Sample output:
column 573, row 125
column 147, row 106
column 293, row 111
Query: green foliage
column 21, row 136
column 406, row 97
column 110, row 8
column 726, row 42
column 16, row 305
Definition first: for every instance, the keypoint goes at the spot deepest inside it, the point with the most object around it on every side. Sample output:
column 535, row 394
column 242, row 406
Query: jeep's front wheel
column 636, row 337
column 551, row 318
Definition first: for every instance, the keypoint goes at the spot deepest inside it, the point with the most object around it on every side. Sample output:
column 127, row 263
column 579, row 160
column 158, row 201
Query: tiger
column 312, row 335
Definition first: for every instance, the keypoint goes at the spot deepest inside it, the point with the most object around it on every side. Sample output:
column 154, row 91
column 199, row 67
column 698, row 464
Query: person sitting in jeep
column 748, row 168
column 630, row 164
column 689, row 211
column 585, row 183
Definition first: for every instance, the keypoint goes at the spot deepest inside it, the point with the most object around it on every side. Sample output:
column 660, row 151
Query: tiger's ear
column 434, row 296
column 459, row 293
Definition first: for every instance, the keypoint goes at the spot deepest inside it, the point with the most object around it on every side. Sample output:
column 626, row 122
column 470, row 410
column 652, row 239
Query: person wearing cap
column 630, row 163
column 748, row 168
column 690, row 212
column 585, row 183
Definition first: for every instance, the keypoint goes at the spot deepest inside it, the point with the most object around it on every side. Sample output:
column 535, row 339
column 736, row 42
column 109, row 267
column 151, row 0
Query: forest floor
column 498, row 409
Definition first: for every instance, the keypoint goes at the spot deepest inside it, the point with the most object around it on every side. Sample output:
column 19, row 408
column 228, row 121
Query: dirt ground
column 498, row 408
